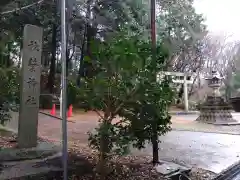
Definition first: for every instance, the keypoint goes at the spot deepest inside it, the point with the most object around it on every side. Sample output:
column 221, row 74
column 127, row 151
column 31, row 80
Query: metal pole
column 60, row 100
column 69, row 9
column 185, row 91
column 154, row 137
column 64, row 89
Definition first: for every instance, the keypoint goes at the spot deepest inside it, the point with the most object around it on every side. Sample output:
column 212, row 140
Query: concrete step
column 172, row 170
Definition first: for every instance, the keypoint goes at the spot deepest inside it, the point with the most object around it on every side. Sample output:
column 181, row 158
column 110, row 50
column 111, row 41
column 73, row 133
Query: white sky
column 222, row 16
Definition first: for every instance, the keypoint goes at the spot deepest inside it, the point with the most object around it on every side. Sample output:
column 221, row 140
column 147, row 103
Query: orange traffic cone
column 70, row 111
column 53, row 111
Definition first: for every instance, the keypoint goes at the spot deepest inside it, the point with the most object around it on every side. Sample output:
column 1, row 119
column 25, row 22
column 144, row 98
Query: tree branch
column 98, row 113
column 22, row 8
column 134, row 90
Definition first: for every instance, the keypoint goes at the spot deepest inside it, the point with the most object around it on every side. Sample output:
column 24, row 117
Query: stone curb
column 39, row 167
column 8, row 129
column 209, row 132
column 230, row 173
column 183, row 112
column 11, row 155
column 56, row 117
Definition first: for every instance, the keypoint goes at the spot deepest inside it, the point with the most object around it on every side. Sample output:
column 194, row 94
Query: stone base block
column 217, row 121
column 170, row 169
column 27, row 169
column 43, row 150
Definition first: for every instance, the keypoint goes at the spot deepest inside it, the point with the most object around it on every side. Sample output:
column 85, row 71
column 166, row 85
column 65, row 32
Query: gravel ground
column 82, row 163
column 128, row 168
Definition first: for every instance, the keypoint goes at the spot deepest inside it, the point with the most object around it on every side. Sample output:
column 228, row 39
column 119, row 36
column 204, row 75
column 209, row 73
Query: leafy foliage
column 182, row 29
column 123, row 85
column 150, row 109
column 9, row 92
column 177, row 24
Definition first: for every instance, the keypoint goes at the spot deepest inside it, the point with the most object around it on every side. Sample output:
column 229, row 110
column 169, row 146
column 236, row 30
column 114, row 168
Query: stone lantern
column 215, row 110
column 214, row 82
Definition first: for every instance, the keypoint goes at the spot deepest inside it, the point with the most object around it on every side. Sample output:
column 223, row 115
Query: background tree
column 88, row 20
column 182, row 30
column 222, row 55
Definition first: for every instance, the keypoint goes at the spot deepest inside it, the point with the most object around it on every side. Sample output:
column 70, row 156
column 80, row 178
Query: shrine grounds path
column 211, row 151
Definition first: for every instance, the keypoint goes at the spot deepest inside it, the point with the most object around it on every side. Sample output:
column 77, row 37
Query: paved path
column 210, row 151
column 51, row 128
column 206, row 150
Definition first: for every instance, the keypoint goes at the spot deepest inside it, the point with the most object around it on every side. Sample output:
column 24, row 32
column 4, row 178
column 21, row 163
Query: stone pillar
column 185, row 91
column 30, row 86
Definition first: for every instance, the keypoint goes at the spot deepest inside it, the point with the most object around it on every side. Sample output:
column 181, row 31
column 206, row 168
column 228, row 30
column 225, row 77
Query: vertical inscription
column 32, row 64
column 30, row 86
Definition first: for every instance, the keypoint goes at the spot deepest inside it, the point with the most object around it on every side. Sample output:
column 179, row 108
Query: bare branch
column 22, row 8
column 98, row 113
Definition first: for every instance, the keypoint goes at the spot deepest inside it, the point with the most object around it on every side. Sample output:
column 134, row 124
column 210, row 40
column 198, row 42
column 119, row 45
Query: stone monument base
column 43, row 150
column 216, row 111
column 29, row 169
column 172, row 170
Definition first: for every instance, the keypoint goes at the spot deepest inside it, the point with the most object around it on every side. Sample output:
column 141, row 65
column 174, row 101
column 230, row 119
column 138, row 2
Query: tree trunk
column 80, row 70
column 1, row 58
column 20, row 55
column 68, row 57
column 154, row 140
column 51, row 76
column 67, row 61
column 90, row 34
column 8, row 59
column 104, row 144
column 68, row 31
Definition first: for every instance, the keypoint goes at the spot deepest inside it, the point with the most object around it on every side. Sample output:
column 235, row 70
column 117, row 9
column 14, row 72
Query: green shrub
column 123, row 83
column 9, row 92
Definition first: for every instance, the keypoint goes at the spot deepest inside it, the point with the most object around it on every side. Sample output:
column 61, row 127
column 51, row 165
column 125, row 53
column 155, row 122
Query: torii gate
column 180, row 78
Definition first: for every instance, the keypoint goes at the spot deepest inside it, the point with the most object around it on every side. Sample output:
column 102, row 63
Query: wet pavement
column 210, row 151
column 213, row 152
